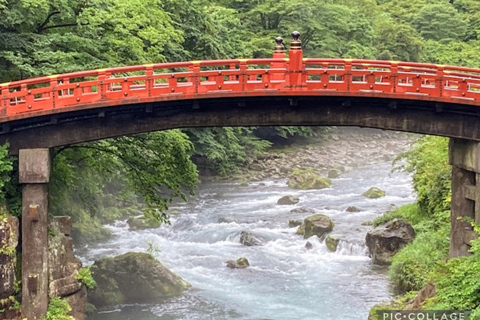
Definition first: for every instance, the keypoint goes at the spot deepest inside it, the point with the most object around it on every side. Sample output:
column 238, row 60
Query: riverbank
column 341, row 150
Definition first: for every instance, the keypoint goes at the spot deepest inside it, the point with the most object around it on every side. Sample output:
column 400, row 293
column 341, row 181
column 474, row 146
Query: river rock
column 138, row 223
column 294, row 223
column 249, row 239
column 386, row 240
column 301, row 229
column 374, row 193
column 133, row 277
column 288, row 200
column 352, row 209
column 308, row 245
column 317, row 225
column 334, row 173
column 306, row 180
column 332, row 242
column 239, row 264
column 302, row 210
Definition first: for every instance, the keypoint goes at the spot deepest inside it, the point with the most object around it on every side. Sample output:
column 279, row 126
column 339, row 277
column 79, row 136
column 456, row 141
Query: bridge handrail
column 216, row 78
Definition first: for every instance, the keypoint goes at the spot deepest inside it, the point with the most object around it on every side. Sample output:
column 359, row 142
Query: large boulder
column 288, row 200
column 386, row 240
column 306, row 180
column 374, row 193
column 317, row 225
column 250, row 239
column 133, row 277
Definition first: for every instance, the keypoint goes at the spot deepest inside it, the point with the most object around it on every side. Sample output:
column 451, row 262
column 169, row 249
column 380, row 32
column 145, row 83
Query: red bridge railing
column 239, row 77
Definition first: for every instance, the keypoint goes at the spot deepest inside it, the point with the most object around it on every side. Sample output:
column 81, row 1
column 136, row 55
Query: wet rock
column 332, row 242
column 308, row 245
column 307, row 180
column 386, row 240
column 302, row 210
column 301, row 229
column 367, row 223
column 9, row 233
column 133, row 278
column 250, row 239
column 288, row 200
column 256, row 167
column 139, row 223
column 294, row 223
column 240, row 263
column 352, row 209
column 334, row 173
column 317, row 225
column 64, row 266
column 374, row 193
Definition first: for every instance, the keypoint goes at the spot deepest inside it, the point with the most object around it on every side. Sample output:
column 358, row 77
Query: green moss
column 306, row 179
column 374, row 193
column 88, row 228
column 332, row 242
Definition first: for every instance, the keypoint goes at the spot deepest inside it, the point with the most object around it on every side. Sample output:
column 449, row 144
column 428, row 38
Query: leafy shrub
column 85, row 276
column 411, row 267
column 58, row 309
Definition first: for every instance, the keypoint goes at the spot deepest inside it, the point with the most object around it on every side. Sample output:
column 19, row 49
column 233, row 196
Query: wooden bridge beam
column 34, row 174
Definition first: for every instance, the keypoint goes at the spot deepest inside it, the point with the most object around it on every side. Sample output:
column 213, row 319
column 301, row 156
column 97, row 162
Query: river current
column 285, row 280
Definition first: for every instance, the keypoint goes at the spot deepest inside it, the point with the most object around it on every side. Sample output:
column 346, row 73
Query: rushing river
column 285, row 280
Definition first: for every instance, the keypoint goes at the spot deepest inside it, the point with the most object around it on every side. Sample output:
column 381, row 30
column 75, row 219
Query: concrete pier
column 34, row 174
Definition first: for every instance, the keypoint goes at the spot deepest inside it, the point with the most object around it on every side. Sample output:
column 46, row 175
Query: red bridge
column 38, row 114
column 418, row 97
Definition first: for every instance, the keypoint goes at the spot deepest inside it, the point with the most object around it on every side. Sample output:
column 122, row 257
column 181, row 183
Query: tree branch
column 47, row 20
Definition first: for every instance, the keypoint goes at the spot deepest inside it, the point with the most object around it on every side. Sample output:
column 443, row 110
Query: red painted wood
column 236, row 78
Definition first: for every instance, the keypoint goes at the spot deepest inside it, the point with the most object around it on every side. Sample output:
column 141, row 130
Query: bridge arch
column 91, row 105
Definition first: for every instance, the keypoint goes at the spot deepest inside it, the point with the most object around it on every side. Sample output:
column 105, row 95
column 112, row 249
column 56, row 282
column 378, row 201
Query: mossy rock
column 317, row 225
column 374, row 193
column 240, row 263
column 133, row 278
column 332, row 242
column 305, row 179
column 301, row 229
column 142, row 223
column 294, row 223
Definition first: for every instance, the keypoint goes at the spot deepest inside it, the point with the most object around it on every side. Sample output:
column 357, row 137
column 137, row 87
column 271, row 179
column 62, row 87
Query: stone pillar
column 34, row 174
column 465, row 161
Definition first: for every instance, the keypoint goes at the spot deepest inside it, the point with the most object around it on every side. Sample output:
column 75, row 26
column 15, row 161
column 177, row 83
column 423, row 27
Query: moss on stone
column 374, row 193
column 306, row 179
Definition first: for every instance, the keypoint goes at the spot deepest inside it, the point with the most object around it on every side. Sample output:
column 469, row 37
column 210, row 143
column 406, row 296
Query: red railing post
column 4, row 100
column 279, row 53
column 439, row 83
column 295, row 67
